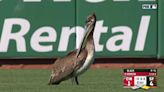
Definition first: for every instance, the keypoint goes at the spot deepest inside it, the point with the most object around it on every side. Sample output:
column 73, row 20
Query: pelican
column 78, row 61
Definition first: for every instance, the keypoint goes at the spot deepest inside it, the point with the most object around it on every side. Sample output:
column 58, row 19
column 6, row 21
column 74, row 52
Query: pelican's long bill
column 90, row 23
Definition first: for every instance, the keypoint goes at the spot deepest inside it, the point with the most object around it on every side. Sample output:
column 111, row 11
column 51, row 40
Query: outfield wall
column 161, row 29
column 32, row 29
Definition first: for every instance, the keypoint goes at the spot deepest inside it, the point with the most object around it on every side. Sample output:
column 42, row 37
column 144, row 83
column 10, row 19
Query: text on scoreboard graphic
column 140, row 78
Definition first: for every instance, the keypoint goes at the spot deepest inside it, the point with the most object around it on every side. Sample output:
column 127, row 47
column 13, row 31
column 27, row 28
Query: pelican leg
column 76, row 80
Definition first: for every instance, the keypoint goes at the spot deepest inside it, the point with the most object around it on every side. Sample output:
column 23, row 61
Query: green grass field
column 94, row 80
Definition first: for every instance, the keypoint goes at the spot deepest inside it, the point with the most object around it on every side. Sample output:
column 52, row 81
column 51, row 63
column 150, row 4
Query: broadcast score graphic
column 140, row 78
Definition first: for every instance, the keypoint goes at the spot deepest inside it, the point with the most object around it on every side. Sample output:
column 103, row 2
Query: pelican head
column 90, row 22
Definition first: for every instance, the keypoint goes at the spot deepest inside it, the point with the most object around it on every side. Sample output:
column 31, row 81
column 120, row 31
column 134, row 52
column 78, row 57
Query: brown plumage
column 64, row 68
column 77, row 61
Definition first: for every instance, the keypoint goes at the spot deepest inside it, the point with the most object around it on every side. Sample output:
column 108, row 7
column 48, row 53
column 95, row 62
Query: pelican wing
column 64, row 67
